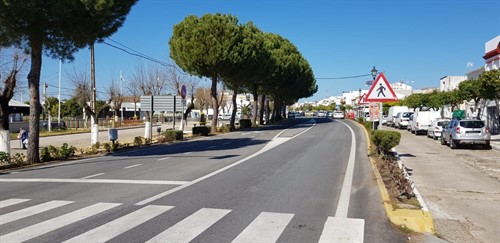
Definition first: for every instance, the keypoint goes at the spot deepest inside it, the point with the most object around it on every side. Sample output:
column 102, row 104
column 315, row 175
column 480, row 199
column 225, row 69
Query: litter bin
column 113, row 134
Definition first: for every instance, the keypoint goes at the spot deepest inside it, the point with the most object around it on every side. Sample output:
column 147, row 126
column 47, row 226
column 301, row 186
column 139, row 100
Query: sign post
column 381, row 91
column 183, row 102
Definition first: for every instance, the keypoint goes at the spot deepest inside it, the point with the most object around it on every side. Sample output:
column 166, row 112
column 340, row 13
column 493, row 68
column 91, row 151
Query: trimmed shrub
column 4, row 158
column 173, row 135
column 201, row 130
column 107, row 147
column 384, row 141
column 66, row 152
column 245, row 123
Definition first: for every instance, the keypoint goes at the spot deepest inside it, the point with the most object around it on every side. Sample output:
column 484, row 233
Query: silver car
column 466, row 131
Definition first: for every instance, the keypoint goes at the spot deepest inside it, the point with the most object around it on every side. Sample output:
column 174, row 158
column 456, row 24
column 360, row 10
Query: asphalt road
column 302, row 181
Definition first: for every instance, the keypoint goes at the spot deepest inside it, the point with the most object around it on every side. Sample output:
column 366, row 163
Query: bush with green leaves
column 66, row 151
column 173, row 135
column 245, row 123
column 201, row 130
column 384, row 141
column 4, row 158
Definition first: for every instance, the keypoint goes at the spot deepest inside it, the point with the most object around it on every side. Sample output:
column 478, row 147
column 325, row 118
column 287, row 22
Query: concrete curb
column 418, row 220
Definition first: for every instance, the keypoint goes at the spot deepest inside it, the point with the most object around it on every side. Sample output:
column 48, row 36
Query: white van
column 422, row 120
column 393, row 111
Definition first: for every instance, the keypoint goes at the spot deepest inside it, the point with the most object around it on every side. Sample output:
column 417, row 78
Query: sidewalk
column 495, row 142
column 80, row 140
column 461, row 187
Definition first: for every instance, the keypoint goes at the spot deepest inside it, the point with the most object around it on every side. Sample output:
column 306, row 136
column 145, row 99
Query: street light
column 374, row 72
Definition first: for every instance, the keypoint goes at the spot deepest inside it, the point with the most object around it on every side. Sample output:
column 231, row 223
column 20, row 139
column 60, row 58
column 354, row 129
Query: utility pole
column 121, row 97
column 93, row 120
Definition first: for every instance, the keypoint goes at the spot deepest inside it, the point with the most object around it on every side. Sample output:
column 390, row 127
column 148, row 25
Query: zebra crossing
column 266, row 227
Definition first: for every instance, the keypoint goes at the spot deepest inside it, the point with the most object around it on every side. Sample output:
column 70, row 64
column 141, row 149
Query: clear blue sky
column 419, row 41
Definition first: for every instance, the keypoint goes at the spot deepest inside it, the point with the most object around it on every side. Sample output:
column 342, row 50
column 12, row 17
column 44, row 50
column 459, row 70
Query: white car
column 338, row 115
column 435, row 129
column 402, row 119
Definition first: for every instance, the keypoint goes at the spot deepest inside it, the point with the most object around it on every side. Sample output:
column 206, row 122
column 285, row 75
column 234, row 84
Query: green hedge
column 201, row 130
column 173, row 135
column 245, row 123
column 384, row 141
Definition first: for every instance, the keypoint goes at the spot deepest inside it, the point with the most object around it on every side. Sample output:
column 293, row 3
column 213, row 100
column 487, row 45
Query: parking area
column 460, row 186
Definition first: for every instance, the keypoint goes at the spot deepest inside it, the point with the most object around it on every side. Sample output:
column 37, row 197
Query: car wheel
column 443, row 142
column 453, row 145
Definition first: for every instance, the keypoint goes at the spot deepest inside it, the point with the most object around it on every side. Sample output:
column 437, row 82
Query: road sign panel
column 381, row 91
column 160, row 103
column 183, row 92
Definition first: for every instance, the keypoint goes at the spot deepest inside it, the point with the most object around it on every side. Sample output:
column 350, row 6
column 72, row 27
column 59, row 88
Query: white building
column 492, row 54
column 448, row 83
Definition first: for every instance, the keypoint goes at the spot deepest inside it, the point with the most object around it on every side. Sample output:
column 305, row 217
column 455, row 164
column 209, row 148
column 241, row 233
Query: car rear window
column 407, row 114
column 442, row 123
column 472, row 124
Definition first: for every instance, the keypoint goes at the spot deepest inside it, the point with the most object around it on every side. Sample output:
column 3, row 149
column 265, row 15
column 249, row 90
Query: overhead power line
column 133, row 52
column 357, row 76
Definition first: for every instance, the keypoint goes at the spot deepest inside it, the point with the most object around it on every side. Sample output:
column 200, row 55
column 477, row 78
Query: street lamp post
column 374, row 72
column 380, row 114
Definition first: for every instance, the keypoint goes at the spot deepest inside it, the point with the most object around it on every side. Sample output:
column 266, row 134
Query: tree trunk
column 261, row 111
column 255, row 103
column 215, row 104
column 233, row 113
column 34, row 88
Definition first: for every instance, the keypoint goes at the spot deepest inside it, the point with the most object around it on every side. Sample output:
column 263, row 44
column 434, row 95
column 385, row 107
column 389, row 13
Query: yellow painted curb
column 417, row 220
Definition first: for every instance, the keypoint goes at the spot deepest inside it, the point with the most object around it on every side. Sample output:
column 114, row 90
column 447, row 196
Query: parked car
column 466, row 132
column 393, row 111
column 338, row 115
column 421, row 121
column 402, row 119
column 436, row 127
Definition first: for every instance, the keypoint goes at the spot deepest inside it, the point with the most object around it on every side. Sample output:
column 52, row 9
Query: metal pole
column 94, row 122
column 121, row 95
column 59, row 96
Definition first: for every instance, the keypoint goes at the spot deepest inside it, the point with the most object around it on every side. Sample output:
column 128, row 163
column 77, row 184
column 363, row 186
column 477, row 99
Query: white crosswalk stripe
column 192, row 226
column 23, row 213
column 118, row 226
column 55, row 223
column 267, row 227
column 10, row 202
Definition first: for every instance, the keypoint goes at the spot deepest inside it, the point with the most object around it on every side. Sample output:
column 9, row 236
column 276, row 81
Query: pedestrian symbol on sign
column 381, row 90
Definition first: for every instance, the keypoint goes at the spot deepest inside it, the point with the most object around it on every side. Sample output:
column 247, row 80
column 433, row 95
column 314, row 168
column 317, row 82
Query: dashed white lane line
column 90, row 176
column 187, row 152
column 109, row 181
column 165, row 158
column 132, row 166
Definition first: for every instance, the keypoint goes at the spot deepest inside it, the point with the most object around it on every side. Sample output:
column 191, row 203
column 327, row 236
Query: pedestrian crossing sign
column 381, row 91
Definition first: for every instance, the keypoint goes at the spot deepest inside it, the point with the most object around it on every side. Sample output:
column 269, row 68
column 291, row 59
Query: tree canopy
column 58, row 29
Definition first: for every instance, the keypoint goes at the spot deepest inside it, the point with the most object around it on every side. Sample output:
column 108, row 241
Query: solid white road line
column 345, row 194
column 118, row 226
column 56, row 223
column 23, row 213
column 271, row 144
column 109, row 181
column 90, row 176
column 10, row 202
column 267, row 227
column 343, row 230
column 192, row 226
column 132, row 166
